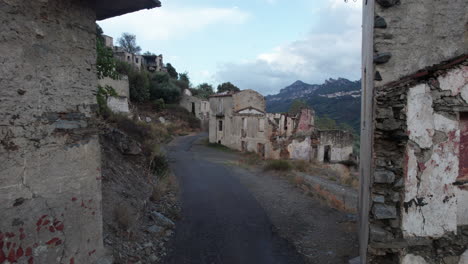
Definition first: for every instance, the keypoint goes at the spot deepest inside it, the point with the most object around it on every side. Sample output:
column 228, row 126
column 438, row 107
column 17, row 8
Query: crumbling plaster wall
column 413, row 34
column 118, row 104
column 220, row 110
column 248, row 98
column 50, row 175
column 340, row 142
column 122, row 86
column 417, row 207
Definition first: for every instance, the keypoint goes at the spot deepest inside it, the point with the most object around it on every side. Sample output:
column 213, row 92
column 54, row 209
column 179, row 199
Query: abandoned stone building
column 414, row 137
column 154, row 63
column 239, row 121
column 50, row 174
column 151, row 63
column 197, row 106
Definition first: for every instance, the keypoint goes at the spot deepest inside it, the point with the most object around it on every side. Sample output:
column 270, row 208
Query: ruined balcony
column 111, row 8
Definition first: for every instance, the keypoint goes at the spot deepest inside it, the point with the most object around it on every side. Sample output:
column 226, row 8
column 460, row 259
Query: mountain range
column 338, row 99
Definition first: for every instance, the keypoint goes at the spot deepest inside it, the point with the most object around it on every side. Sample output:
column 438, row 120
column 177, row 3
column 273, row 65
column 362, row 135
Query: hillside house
column 239, row 121
column 154, row 63
column 198, row 107
column 414, row 136
column 50, row 174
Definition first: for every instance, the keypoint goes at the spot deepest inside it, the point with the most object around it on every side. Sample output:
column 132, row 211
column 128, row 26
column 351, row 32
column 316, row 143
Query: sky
column 264, row 45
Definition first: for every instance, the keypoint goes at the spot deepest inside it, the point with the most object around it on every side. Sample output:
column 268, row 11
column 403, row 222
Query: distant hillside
column 338, row 99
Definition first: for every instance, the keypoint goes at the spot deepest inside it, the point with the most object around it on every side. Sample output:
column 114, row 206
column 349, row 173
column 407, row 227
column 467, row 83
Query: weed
column 278, row 165
column 124, row 217
column 159, row 164
column 216, row 146
column 301, row 165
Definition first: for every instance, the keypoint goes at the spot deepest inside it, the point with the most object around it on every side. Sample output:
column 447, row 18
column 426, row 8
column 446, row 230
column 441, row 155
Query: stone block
column 380, row 22
column 384, row 176
column 387, row 3
column 383, row 211
column 378, row 234
column 383, row 57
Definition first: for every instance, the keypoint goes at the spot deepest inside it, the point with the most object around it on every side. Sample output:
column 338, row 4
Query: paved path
column 222, row 223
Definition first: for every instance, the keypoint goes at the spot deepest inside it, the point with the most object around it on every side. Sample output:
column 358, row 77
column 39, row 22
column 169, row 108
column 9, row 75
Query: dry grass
column 124, row 216
column 301, row 165
column 165, row 185
column 278, row 165
column 251, row 159
column 298, row 180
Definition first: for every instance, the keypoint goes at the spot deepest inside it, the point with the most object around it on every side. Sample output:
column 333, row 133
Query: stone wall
column 246, row 127
column 50, row 175
column 418, row 206
column 118, row 104
column 122, row 86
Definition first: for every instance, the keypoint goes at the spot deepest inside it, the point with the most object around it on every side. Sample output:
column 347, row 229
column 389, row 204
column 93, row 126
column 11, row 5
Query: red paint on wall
column 72, row 261
column 463, row 163
column 28, row 252
column 12, row 255
column 1, row 245
column 59, row 226
column 74, row 199
column 51, row 229
column 91, row 252
column 53, row 241
column 22, row 236
column 2, row 256
column 19, row 252
column 31, row 260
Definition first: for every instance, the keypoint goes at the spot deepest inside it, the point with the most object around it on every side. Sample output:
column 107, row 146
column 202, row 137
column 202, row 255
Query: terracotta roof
column 111, row 8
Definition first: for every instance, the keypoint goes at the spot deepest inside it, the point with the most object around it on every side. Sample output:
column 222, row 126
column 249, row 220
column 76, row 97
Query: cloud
column 331, row 49
column 172, row 22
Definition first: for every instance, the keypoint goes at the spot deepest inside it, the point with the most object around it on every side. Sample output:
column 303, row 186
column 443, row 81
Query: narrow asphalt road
column 222, row 223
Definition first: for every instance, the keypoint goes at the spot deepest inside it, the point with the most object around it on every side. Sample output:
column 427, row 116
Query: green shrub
column 183, row 114
column 101, row 98
column 159, row 164
column 139, row 86
column 159, row 105
column 301, row 165
column 278, row 165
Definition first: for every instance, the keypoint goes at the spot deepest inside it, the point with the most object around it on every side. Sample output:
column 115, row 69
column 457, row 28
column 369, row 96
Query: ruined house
column 239, row 121
column 414, row 137
column 198, row 107
column 50, row 178
column 154, row 63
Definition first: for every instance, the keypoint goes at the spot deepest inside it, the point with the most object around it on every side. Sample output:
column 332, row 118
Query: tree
column 105, row 62
column 325, row 123
column 172, row 71
column 204, row 90
column 227, row 87
column 149, row 53
column 139, row 86
column 296, row 106
column 128, row 43
column 184, row 77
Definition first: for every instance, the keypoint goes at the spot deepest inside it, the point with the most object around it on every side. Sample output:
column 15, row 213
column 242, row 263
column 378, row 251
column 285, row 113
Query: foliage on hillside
column 343, row 109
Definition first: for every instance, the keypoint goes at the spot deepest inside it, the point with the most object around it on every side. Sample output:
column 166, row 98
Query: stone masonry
column 418, row 192
column 50, row 179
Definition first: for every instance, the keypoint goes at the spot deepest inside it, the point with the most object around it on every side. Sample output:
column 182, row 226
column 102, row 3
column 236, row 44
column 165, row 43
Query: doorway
column 327, row 154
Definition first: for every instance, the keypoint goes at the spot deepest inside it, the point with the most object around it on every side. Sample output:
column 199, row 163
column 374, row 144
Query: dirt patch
column 138, row 208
